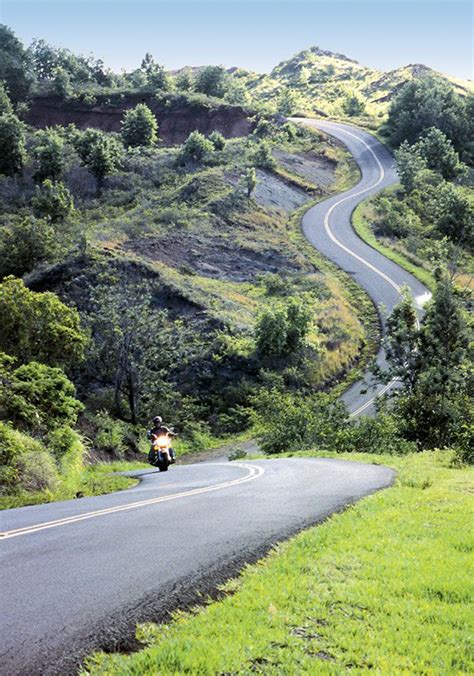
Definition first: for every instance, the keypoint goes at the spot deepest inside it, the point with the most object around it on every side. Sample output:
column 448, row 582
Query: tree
column 62, row 86
column 431, row 361
column 250, row 180
column 288, row 102
column 155, row 74
column 101, row 153
column 211, row 80
column 38, row 398
column 5, row 103
column 49, row 154
column 217, row 140
column 353, row 105
column 440, row 155
column 12, row 144
column 184, row 81
column 38, row 326
column 271, row 333
column 196, row 147
column 52, row 201
column 135, row 347
column 453, row 214
column 298, row 317
column 24, row 244
column 263, row 156
column 15, row 65
column 139, row 127
column 424, row 103
column 410, row 162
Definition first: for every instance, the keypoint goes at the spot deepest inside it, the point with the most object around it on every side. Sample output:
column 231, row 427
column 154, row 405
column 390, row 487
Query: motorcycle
column 160, row 455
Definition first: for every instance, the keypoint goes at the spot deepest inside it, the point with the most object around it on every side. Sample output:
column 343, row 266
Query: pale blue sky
column 383, row 34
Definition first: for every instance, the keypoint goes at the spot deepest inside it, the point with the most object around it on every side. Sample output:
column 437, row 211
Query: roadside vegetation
column 427, row 221
column 172, row 280
column 318, row 605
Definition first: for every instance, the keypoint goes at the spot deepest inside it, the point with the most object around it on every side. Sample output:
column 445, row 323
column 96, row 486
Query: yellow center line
column 253, row 473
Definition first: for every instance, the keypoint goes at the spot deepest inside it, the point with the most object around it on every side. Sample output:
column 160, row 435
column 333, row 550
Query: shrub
column 13, row 445
column 39, row 326
column 52, row 201
column 110, row 435
column 37, row 471
column 39, row 398
column 217, row 140
column 196, row 147
column 139, row 127
column 263, row 157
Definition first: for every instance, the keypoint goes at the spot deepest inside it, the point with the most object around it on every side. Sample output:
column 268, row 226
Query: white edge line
column 254, row 473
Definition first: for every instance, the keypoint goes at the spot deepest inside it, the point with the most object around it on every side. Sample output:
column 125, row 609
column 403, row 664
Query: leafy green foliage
column 211, row 80
column 353, row 105
column 263, row 156
column 39, row 326
column 217, row 140
column 5, row 103
column 286, row 422
column 425, row 103
column 155, row 75
column 26, row 243
column 49, row 155
column 101, row 153
column 24, row 462
column 250, row 180
column 139, row 127
column 52, row 201
column 431, row 362
column 196, row 147
column 283, row 330
column 38, row 398
column 62, row 86
column 12, row 144
column 15, row 67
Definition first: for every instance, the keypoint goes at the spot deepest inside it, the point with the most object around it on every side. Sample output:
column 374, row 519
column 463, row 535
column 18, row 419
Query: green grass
column 95, row 479
column 384, row 587
column 362, row 227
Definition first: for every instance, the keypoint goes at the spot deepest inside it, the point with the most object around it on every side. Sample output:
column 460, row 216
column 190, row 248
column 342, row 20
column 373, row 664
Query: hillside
column 322, row 82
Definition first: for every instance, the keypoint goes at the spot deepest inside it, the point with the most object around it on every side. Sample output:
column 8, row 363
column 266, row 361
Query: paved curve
column 327, row 226
column 77, row 576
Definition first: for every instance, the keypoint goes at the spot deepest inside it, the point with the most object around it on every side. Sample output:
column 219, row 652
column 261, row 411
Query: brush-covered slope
column 325, row 82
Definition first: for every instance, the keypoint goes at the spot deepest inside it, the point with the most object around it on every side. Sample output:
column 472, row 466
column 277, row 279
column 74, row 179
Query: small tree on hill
column 250, row 180
column 353, row 105
column 217, row 140
column 62, row 83
column 196, row 147
column 12, row 144
column 52, row 201
column 139, row 127
column 5, row 103
column 101, row 153
column 49, row 155
column 211, row 80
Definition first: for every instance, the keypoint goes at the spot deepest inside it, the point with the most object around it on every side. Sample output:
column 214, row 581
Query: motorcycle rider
column 158, row 429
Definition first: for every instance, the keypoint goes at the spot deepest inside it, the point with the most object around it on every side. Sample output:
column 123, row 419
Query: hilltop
column 325, row 82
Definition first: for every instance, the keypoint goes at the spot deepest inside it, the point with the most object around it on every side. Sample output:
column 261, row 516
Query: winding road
column 327, row 226
column 77, row 576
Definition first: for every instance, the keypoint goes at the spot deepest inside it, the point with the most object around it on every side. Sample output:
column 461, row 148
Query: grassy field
column 384, row 586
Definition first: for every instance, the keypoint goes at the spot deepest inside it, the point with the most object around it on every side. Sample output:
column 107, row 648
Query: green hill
column 323, row 82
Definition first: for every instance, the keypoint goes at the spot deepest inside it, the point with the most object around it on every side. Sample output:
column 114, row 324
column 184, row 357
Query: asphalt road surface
column 327, row 226
column 76, row 576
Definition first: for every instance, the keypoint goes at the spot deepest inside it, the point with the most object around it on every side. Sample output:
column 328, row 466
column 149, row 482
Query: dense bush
column 38, row 398
column 39, row 326
column 196, row 147
column 139, row 127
